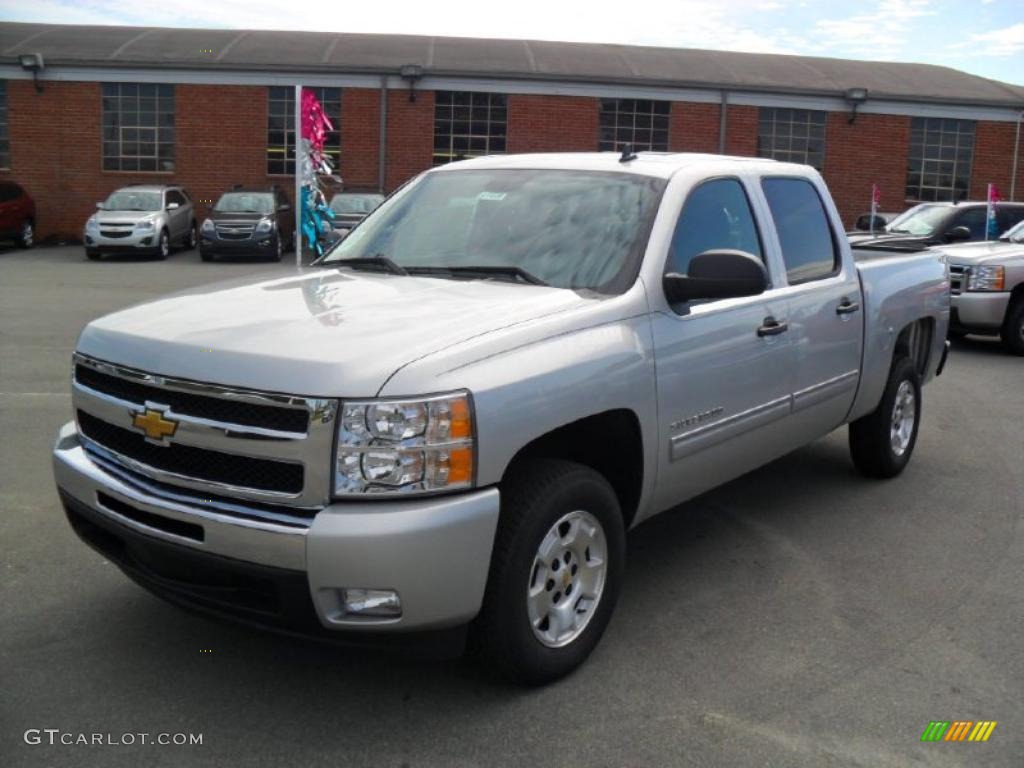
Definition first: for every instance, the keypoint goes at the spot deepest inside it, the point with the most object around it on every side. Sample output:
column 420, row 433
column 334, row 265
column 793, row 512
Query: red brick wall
column 871, row 151
column 360, row 137
column 221, row 140
column 693, row 127
column 552, row 124
column 993, row 156
column 741, row 130
column 410, row 135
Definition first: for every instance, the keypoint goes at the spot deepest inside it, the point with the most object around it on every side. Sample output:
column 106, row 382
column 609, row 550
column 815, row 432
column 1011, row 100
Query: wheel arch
column 609, row 442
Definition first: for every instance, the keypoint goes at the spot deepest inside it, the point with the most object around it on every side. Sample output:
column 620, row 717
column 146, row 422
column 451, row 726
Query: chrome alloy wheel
column 27, row 234
column 567, row 579
column 904, row 413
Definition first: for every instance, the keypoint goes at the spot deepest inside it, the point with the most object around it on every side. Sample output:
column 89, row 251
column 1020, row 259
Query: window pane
column 280, row 152
column 131, row 114
column 640, row 123
column 947, row 148
column 474, row 125
column 792, row 136
column 808, row 247
column 715, row 216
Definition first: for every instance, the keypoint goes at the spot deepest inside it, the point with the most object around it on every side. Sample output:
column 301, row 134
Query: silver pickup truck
column 987, row 285
column 448, row 423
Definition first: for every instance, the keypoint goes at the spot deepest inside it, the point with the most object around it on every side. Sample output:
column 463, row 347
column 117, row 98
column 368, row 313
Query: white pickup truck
column 449, row 422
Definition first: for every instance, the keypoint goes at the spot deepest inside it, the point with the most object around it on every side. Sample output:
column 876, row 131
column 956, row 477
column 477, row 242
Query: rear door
column 825, row 305
column 724, row 367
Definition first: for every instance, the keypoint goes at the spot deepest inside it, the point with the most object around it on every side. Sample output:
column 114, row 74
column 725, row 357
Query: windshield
column 348, row 203
column 570, row 229
column 245, row 202
column 919, row 220
column 1014, row 234
column 133, row 200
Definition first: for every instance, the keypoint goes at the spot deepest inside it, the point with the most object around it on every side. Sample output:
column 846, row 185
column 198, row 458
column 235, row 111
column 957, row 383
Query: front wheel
column 881, row 442
column 1012, row 333
column 556, row 570
column 26, row 235
column 163, row 248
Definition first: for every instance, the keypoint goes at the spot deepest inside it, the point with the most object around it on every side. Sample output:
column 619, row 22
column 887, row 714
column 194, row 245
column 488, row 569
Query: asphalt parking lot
column 799, row 616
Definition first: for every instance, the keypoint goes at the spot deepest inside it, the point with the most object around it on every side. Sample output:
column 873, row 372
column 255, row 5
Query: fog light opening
column 379, row 603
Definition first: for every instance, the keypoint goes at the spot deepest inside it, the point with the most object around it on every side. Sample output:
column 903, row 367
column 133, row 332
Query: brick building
column 211, row 108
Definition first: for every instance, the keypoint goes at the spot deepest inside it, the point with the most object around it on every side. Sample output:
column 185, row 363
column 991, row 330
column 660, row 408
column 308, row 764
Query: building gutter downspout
column 1016, row 155
column 722, row 121
column 382, row 151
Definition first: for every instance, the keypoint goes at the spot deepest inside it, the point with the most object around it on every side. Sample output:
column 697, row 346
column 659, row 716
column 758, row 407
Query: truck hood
column 316, row 332
column 991, row 252
column 889, row 238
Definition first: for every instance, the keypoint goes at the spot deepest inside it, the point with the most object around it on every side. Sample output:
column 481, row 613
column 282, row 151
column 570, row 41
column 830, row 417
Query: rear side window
column 808, row 247
column 716, row 216
column 173, row 196
column 9, row 192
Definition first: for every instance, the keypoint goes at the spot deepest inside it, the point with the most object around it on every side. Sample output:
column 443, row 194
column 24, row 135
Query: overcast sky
column 985, row 37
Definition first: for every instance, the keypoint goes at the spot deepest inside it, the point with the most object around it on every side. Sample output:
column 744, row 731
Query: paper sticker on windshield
column 491, row 196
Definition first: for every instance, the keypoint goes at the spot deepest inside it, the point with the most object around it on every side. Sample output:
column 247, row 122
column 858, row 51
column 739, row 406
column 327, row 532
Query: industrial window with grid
column 5, row 141
column 640, row 123
column 792, row 135
column 281, row 127
column 138, row 127
column 468, row 125
column 939, row 160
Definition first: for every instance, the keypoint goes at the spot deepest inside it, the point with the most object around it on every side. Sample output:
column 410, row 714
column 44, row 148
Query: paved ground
column 800, row 616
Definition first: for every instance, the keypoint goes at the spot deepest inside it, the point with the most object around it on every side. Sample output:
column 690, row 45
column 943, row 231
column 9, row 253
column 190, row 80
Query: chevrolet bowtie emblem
column 153, row 423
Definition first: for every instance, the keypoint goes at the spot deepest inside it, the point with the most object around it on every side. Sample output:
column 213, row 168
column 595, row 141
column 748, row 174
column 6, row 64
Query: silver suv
column 142, row 219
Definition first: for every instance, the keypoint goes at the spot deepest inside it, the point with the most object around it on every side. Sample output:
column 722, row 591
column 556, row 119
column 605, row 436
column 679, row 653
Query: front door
column 724, row 367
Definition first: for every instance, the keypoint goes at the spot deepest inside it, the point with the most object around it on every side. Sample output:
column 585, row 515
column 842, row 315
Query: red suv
column 17, row 215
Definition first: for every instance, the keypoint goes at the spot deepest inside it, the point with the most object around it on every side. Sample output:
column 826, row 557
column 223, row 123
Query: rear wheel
column 882, row 442
column 26, row 235
column 1012, row 333
column 278, row 247
column 555, row 573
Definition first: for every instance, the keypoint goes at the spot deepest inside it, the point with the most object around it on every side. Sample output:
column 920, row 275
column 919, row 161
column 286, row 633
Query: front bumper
column 134, row 242
column 257, row 244
column 434, row 552
column 980, row 310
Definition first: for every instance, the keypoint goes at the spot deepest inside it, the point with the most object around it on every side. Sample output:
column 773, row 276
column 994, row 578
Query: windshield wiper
column 485, row 270
column 380, row 260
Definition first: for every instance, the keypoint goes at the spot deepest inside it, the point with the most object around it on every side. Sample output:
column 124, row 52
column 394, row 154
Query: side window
column 716, row 216
column 7, row 192
column 1008, row 217
column 173, row 196
column 808, row 246
column 974, row 219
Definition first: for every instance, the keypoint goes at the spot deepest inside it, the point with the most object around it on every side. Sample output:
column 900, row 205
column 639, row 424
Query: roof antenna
column 627, row 153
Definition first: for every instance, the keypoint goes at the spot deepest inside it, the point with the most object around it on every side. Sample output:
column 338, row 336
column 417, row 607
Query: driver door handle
column 847, row 307
column 772, row 327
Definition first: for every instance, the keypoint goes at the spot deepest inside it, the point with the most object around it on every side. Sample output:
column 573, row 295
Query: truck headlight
column 986, row 278
column 405, row 446
column 208, row 225
column 265, row 225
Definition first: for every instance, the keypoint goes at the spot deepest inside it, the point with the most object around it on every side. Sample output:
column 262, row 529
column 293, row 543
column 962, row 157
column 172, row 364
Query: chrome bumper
column 980, row 309
column 435, row 552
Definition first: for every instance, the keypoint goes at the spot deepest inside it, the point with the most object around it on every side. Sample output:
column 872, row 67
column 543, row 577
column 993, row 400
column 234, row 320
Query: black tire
column 278, row 247
column 871, row 439
column 163, row 248
column 26, row 235
column 535, row 496
column 1012, row 333
column 92, row 255
column 193, row 237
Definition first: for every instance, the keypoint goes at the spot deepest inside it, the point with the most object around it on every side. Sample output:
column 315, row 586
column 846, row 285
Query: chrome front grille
column 957, row 279
column 235, row 231
column 234, row 443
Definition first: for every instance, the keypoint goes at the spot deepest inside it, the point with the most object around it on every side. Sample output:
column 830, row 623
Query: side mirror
column 99, row 206
column 720, row 274
column 957, row 233
column 173, row 206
